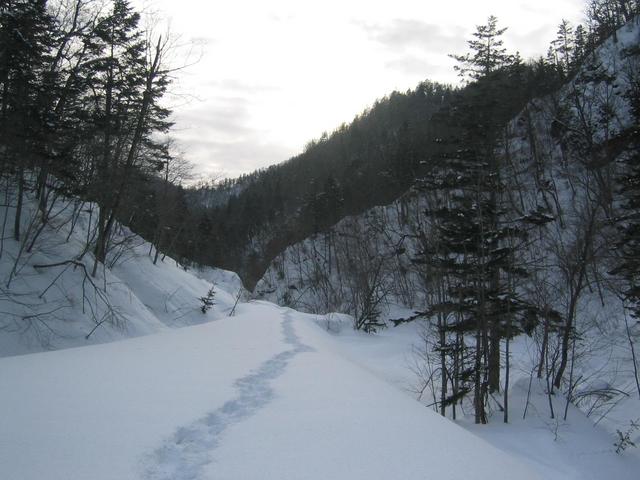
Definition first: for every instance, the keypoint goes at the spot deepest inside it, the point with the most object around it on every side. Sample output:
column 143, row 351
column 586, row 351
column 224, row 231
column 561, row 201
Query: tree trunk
column 99, row 251
column 443, row 364
column 575, row 289
column 105, row 228
column 478, row 390
column 507, row 367
column 494, row 358
column 545, row 344
column 18, row 217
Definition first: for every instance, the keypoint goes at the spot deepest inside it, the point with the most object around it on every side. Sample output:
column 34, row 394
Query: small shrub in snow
column 624, row 438
column 208, row 300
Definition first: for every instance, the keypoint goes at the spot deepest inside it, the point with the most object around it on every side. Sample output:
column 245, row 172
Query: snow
column 97, row 412
column 554, row 448
column 269, row 393
column 334, row 420
column 45, row 309
column 261, row 395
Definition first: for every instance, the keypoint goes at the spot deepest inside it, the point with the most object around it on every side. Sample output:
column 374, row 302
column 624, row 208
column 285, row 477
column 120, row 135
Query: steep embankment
column 50, row 300
column 333, row 271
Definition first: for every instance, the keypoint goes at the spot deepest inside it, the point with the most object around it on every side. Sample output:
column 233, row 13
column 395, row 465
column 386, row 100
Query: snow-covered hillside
column 49, row 300
column 324, row 272
column 561, row 156
column 317, row 275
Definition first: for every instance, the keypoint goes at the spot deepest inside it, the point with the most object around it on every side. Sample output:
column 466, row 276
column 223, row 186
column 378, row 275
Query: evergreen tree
column 477, row 242
column 129, row 81
column 628, row 267
column 26, row 36
column 580, row 42
column 487, row 52
column 564, row 47
column 629, row 246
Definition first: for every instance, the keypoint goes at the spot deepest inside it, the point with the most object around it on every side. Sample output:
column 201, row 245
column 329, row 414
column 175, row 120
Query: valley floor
column 266, row 394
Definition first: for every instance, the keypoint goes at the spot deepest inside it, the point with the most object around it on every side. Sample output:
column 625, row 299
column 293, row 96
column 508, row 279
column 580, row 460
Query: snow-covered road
column 262, row 395
column 188, row 451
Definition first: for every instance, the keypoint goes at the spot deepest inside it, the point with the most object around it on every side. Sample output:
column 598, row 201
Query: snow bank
column 49, row 300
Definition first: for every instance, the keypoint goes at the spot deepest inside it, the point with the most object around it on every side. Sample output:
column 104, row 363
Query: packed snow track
column 183, row 456
column 265, row 394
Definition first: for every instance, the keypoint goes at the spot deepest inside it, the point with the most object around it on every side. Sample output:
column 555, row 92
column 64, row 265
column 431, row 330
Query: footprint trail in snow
column 184, row 455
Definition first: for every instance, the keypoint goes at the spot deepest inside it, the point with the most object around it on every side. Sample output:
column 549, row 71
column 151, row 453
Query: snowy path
column 96, row 412
column 184, row 455
column 265, row 395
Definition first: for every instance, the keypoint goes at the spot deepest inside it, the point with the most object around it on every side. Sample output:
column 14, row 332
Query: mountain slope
column 50, row 300
column 562, row 157
column 554, row 151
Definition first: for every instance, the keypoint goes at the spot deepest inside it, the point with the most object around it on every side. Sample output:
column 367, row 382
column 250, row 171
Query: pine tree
column 477, row 243
column 564, row 47
column 580, row 42
column 208, row 301
column 487, row 52
column 628, row 248
column 26, row 35
column 130, row 80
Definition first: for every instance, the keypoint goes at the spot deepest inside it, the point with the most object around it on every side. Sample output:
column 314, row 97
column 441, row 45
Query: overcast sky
column 274, row 74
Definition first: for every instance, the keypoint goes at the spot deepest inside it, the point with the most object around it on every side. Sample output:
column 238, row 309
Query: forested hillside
column 370, row 161
column 476, row 248
column 242, row 224
column 518, row 228
column 517, row 192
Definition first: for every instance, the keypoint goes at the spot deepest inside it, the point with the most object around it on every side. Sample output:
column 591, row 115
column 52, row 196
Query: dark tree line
column 81, row 84
column 369, row 162
column 243, row 224
column 479, row 252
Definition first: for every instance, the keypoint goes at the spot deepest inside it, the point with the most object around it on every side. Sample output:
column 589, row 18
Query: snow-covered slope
column 578, row 448
column 560, row 153
column 49, row 300
column 545, row 156
column 323, row 273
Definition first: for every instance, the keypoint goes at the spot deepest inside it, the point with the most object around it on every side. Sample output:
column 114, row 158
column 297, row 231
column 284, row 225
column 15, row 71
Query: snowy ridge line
column 188, row 451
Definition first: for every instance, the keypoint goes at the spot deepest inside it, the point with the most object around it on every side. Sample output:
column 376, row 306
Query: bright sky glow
column 275, row 74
